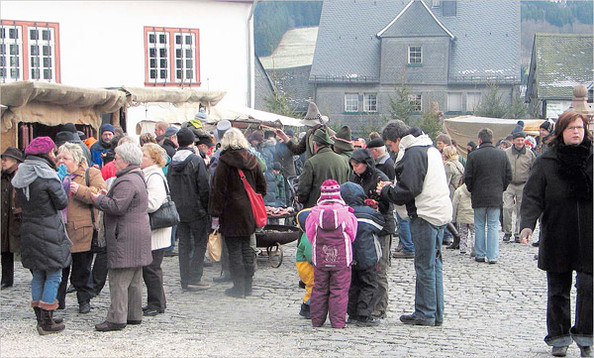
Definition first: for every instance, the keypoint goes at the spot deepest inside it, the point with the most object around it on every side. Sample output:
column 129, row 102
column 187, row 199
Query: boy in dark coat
column 363, row 293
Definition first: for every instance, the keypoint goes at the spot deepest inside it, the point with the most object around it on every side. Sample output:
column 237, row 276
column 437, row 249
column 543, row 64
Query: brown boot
column 48, row 325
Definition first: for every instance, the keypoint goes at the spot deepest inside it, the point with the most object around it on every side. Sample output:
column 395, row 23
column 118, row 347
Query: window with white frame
column 351, row 102
column 29, row 51
column 472, row 101
column 172, row 56
column 370, row 102
column 416, row 100
column 454, row 102
column 415, row 55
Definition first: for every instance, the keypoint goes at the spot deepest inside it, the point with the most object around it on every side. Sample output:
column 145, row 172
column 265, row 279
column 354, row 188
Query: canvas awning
column 464, row 129
column 249, row 114
column 53, row 104
column 139, row 95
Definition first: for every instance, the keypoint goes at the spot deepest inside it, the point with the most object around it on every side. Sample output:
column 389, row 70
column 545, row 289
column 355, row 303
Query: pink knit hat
column 330, row 191
column 40, row 145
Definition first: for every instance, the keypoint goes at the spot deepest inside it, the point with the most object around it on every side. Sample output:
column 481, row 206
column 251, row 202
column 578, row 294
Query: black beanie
column 185, row 137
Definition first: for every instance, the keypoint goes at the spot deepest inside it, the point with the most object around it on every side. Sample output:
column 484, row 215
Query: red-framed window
column 171, row 56
column 29, row 50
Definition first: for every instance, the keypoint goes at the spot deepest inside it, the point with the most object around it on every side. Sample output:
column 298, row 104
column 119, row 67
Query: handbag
column 97, row 243
column 214, row 246
column 256, row 201
column 166, row 215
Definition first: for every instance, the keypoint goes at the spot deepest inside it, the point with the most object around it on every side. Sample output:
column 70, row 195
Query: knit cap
column 330, row 191
column 40, row 145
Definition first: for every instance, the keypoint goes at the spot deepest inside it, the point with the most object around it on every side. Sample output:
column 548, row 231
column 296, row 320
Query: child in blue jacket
column 363, row 293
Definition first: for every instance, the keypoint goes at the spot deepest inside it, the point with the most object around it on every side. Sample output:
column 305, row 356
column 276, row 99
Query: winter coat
column 228, row 198
column 11, row 216
column 188, row 182
column 521, row 163
column 462, row 204
column 421, row 181
column 331, row 228
column 157, row 196
column 386, row 165
column 108, row 170
column 454, row 173
column 97, row 151
column 275, row 192
column 79, row 224
column 324, row 165
column 127, row 227
column 169, row 147
column 560, row 189
column 366, row 248
column 268, row 151
column 44, row 243
column 487, row 175
column 368, row 180
column 285, row 157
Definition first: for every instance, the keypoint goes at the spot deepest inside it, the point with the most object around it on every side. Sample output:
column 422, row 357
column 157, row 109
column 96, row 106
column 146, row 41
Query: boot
column 35, row 305
column 399, row 247
column 47, row 325
column 238, row 289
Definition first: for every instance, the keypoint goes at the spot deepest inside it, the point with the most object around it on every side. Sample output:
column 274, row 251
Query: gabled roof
column 487, row 38
column 561, row 62
column 296, row 49
column 416, row 19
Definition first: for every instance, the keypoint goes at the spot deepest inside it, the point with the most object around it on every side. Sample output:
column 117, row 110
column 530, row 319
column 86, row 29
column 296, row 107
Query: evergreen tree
column 400, row 106
column 517, row 108
column 431, row 123
column 491, row 104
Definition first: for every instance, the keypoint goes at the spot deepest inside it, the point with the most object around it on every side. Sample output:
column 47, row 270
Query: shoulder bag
column 166, row 215
column 97, row 243
column 256, row 201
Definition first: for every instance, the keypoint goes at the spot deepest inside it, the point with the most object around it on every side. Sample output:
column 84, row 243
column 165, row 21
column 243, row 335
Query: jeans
column 428, row 267
column 486, row 246
column 559, row 332
column 44, row 285
column 193, row 237
column 173, row 233
column 404, row 235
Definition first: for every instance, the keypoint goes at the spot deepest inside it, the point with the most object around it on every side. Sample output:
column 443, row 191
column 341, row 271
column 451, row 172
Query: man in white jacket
column 421, row 186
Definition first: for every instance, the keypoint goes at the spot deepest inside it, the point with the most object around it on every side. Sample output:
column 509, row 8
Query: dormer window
column 415, row 55
column 449, row 8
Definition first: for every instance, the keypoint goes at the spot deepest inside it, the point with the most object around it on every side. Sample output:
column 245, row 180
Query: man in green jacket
column 325, row 164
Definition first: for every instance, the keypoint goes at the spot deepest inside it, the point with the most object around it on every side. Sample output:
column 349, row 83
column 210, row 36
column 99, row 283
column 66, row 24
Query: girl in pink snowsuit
column 331, row 227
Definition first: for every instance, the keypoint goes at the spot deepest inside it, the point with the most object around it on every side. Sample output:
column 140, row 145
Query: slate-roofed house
column 289, row 66
column 445, row 51
column 559, row 63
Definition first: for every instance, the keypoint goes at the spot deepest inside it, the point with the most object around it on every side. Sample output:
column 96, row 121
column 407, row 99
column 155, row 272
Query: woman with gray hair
column 80, row 182
column 230, row 207
column 128, row 237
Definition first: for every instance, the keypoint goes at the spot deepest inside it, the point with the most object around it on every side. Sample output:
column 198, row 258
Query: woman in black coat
column 45, row 247
column 230, row 207
column 560, row 188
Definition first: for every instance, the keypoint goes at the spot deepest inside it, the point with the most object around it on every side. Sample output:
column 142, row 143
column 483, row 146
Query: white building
column 207, row 44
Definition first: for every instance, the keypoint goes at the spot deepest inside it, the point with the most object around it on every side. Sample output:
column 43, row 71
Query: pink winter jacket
column 331, row 228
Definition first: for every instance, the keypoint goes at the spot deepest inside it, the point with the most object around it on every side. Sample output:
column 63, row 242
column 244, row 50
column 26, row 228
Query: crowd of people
column 83, row 211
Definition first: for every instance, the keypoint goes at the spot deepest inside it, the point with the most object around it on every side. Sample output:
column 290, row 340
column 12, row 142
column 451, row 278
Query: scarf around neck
column 29, row 171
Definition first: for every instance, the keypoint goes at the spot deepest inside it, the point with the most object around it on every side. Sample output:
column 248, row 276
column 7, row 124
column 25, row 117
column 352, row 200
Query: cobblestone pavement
column 490, row 311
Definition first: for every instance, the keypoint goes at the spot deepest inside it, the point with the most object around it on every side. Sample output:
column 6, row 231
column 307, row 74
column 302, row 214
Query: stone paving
column 490, row 311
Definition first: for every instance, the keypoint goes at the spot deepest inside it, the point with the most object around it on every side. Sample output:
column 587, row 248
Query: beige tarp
column 244, row 113
column 140, row 95
column 53, row 104
column 465, row 128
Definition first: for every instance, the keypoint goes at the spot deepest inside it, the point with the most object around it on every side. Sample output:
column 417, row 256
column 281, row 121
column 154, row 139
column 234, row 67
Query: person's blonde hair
column 234, row 139
column 76, row 151
column 450, row 153
column 156, row 153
